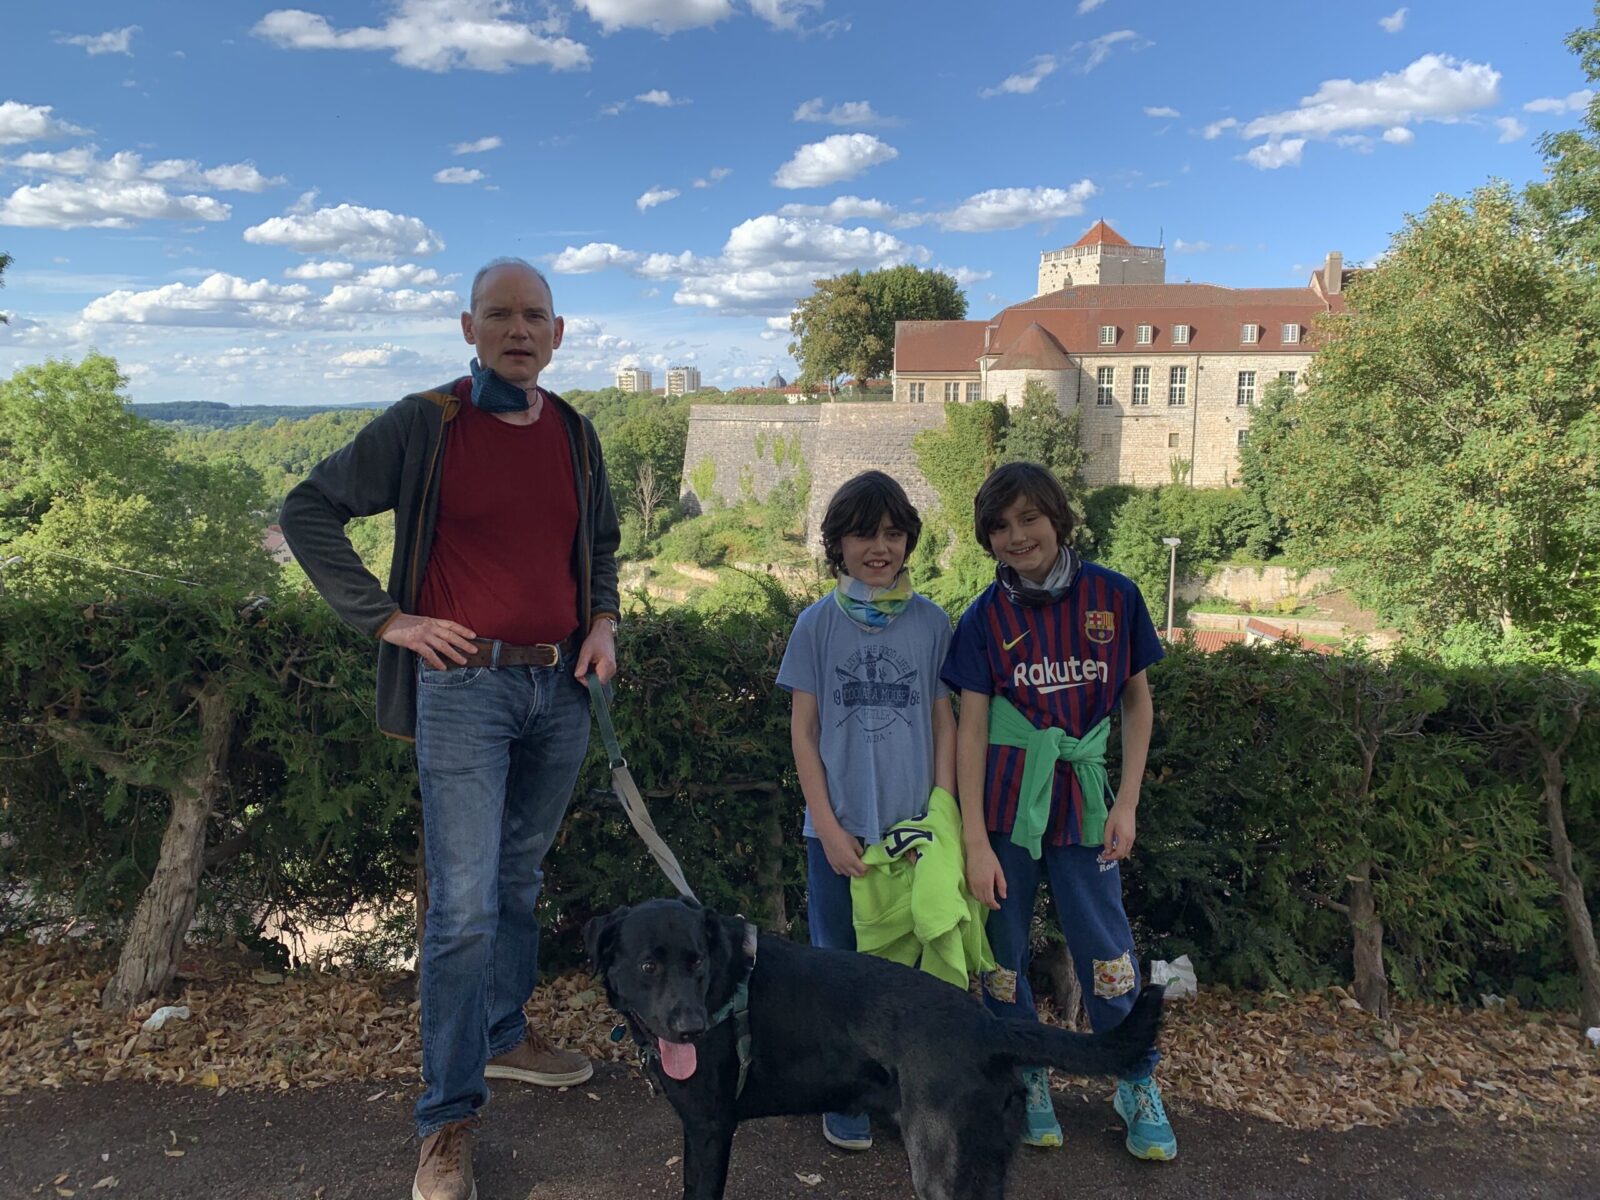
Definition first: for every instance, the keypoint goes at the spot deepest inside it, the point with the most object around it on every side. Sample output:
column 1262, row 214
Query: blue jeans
column 1088, row 904
column 829, row 914
column 498, row 753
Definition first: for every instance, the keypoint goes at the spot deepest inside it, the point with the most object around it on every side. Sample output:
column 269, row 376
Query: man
column 502, row 596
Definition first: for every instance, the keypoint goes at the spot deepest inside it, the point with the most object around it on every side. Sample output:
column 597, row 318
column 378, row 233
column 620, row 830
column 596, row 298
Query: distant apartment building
column 682, row 380
column 633, row 379
column 1164, row 376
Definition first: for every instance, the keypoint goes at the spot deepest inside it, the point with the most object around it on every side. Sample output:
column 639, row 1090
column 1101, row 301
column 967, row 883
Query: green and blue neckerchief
column 870, row 607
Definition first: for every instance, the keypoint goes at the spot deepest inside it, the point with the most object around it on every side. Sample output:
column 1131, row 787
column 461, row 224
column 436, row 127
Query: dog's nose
column 687, row 1024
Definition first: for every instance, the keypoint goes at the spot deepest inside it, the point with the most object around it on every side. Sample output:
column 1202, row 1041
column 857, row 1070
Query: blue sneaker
column 1150, row 1136
column 1043, row 1128
column 848, row 1131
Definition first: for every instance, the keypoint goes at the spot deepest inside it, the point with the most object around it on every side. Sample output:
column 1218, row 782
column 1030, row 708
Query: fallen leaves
column 1314, row 1061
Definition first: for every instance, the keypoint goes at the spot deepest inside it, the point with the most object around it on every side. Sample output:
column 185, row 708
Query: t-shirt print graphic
column 876, row 688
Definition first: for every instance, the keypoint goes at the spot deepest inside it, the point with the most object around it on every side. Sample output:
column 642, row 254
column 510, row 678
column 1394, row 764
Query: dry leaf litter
column 1307, row 1061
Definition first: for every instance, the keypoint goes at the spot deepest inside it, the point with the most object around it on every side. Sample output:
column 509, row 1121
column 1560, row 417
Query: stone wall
column 1258, row 585
column 851, row 438
column 743, row 451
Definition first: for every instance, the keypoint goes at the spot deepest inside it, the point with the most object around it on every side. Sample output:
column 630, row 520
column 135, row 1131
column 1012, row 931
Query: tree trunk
column 1371, row 983
column 771, row 876
column 1055, row 964
column 155, row 939
column 1580, row 927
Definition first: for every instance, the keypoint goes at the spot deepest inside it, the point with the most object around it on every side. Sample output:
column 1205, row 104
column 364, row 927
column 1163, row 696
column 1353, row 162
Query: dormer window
column 1249, row 334
column 1146, row 333
column 1291, row 335
column 1180, row 335
column 1108, row 335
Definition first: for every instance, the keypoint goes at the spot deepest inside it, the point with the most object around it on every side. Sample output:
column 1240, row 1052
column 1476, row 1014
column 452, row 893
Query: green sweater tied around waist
column 1043, row 749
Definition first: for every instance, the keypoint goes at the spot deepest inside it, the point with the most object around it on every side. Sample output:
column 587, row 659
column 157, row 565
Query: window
column 974, row 392
column 1178, row 386
column 952, row 393
column 916, row 392
column 1145, row 334
column 1108, row 335
column 1105, row 441
column 1289, row 377
column 1141, row 385
column 1248, row 334
column 1243, row 437
column 1291, row 335
column 1105, row 379
column 1247, row 388
column 1180, row 335
column 1172, row 441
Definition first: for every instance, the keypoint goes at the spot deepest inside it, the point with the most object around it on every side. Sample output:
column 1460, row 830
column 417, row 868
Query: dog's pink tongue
column 678, row 1059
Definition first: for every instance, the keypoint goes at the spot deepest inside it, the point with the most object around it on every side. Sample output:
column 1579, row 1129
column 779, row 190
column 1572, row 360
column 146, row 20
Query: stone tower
column 1100, row 256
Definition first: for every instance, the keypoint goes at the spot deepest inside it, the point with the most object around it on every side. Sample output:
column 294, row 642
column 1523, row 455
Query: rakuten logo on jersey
column 1050, row 677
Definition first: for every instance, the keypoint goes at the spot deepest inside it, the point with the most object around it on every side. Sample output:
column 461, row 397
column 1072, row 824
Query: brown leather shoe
column 538, row 1060
column 444, row 1171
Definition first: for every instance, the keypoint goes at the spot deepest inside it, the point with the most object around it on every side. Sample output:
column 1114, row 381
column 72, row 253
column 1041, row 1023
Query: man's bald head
column 496, row 264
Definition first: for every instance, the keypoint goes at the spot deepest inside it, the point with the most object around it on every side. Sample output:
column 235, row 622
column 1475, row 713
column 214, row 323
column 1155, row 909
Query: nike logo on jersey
column 1015, row 640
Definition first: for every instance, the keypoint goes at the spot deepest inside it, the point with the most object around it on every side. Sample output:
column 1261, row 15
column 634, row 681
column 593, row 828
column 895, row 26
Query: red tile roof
column 1101, row 234
column 1033, row 350
column 938, row 345
column 1208, row 640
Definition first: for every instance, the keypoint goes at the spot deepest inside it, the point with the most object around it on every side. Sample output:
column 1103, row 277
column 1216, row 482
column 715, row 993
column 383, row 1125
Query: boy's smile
column 874, row 560
column 1023, row 538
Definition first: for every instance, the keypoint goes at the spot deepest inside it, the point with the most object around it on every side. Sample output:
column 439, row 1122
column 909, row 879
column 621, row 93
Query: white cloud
column 1023, row 84
column 1217, row 128
column 768, row 240
column 384, row 355
column 1572, row 102
column 458, row 175
column 1276, row 152
column 713, row 176
column 1088, row 6
column 965, row 276
column 31, row 123
column 595, row 256
column 844, row 208
column 104, row 204
column 219, row 300
column 783, row 14
column 1179, row 246
column 126, row 166
column 851, row 112
column 1011, row 208
column 1511, row 129
column 477, row 147
column 659, row 98
column 114, row 42
column 833, row 160
column 776, row 330
column 394, row 275
column 1097, row 50
column 1395, row 21
column 664, row 266
column 660, row 16
column 367, row 300
column 349, row 230
column 434, row 35
column 654, row 197
column 321, row 270
column 1399, row 135
column 1433, row 88
column 612, row 109
column 1161, row 111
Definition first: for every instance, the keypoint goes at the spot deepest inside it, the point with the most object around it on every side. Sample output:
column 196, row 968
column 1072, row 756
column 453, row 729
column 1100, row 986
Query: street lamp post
column 1172, row 545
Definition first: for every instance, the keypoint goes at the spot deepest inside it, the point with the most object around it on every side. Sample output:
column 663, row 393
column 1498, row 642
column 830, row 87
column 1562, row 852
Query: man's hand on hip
column 598, row 652
column 434, row 639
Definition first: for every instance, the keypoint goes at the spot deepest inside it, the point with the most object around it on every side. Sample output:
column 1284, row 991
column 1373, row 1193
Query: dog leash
column 627, row 793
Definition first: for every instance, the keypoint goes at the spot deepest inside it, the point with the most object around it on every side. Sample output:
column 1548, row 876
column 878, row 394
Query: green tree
column 93, row 499
column 1040, row 432
column 949, row 566
column 1446, row 455
column 5, row 261
column 1204, row 519
column 1568, row 202
column 1261, row 528
column 846, row 326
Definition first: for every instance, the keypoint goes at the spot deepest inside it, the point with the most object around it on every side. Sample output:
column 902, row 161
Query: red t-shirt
column 501, row 562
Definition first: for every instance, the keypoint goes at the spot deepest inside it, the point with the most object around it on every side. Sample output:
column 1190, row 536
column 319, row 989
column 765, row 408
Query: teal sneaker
column 1150, row 1136
column 848, row 1131
column 1043, row 1128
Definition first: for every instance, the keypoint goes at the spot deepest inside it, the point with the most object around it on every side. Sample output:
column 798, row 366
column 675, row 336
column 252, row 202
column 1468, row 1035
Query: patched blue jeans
column 1088, row 904
column 498, row 752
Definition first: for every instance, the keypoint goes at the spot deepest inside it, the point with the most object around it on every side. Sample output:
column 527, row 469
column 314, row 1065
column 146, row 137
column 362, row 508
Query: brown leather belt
column 504, row 654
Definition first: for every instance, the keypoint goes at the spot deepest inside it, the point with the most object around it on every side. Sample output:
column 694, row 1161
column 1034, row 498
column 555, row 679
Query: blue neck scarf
column 493, row 394
column 871, row 607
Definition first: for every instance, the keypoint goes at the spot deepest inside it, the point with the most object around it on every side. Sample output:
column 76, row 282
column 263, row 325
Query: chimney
column 1333, row 273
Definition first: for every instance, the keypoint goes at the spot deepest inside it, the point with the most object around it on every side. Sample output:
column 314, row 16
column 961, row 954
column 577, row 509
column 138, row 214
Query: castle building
column 682, row 380
column 1164, row 376
column 633, row 379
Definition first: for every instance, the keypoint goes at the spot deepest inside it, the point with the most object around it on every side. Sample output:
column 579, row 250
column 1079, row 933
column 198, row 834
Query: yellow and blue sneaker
column 1150, row 1136
column 1043, row 1128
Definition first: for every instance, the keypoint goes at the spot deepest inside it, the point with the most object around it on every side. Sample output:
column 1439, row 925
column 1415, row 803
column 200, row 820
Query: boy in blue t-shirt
column 871, row 727
column 1051, row 648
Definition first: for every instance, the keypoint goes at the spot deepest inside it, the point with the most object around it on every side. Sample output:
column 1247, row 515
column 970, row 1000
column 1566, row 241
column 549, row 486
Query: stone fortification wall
column 852, row 438
column 1258, row 585
column 742, row 451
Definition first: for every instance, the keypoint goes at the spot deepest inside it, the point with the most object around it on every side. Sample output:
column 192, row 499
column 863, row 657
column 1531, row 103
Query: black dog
column 829, row 1031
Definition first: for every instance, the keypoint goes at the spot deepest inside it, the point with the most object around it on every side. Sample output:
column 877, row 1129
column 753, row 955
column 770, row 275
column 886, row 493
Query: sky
column 255, row 204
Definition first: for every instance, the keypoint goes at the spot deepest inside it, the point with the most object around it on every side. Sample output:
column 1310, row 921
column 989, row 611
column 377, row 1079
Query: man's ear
column 600, row 937
column 560, row 326
column 466, row 329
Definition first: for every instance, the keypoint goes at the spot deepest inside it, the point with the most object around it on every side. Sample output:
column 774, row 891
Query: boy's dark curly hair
column 1013, row 479
column 858, row 508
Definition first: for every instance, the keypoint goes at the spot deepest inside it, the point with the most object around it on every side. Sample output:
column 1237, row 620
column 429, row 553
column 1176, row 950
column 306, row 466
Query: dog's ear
column 600, row 937
column 724, row 941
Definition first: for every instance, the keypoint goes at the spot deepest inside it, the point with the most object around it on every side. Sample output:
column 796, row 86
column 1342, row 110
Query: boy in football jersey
column 1042, row 658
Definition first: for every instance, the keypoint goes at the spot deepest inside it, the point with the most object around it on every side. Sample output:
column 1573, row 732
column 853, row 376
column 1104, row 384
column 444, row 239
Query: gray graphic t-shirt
column 873, row 689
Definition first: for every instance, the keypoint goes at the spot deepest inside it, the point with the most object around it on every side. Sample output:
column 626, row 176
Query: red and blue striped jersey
column 1062, row 665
